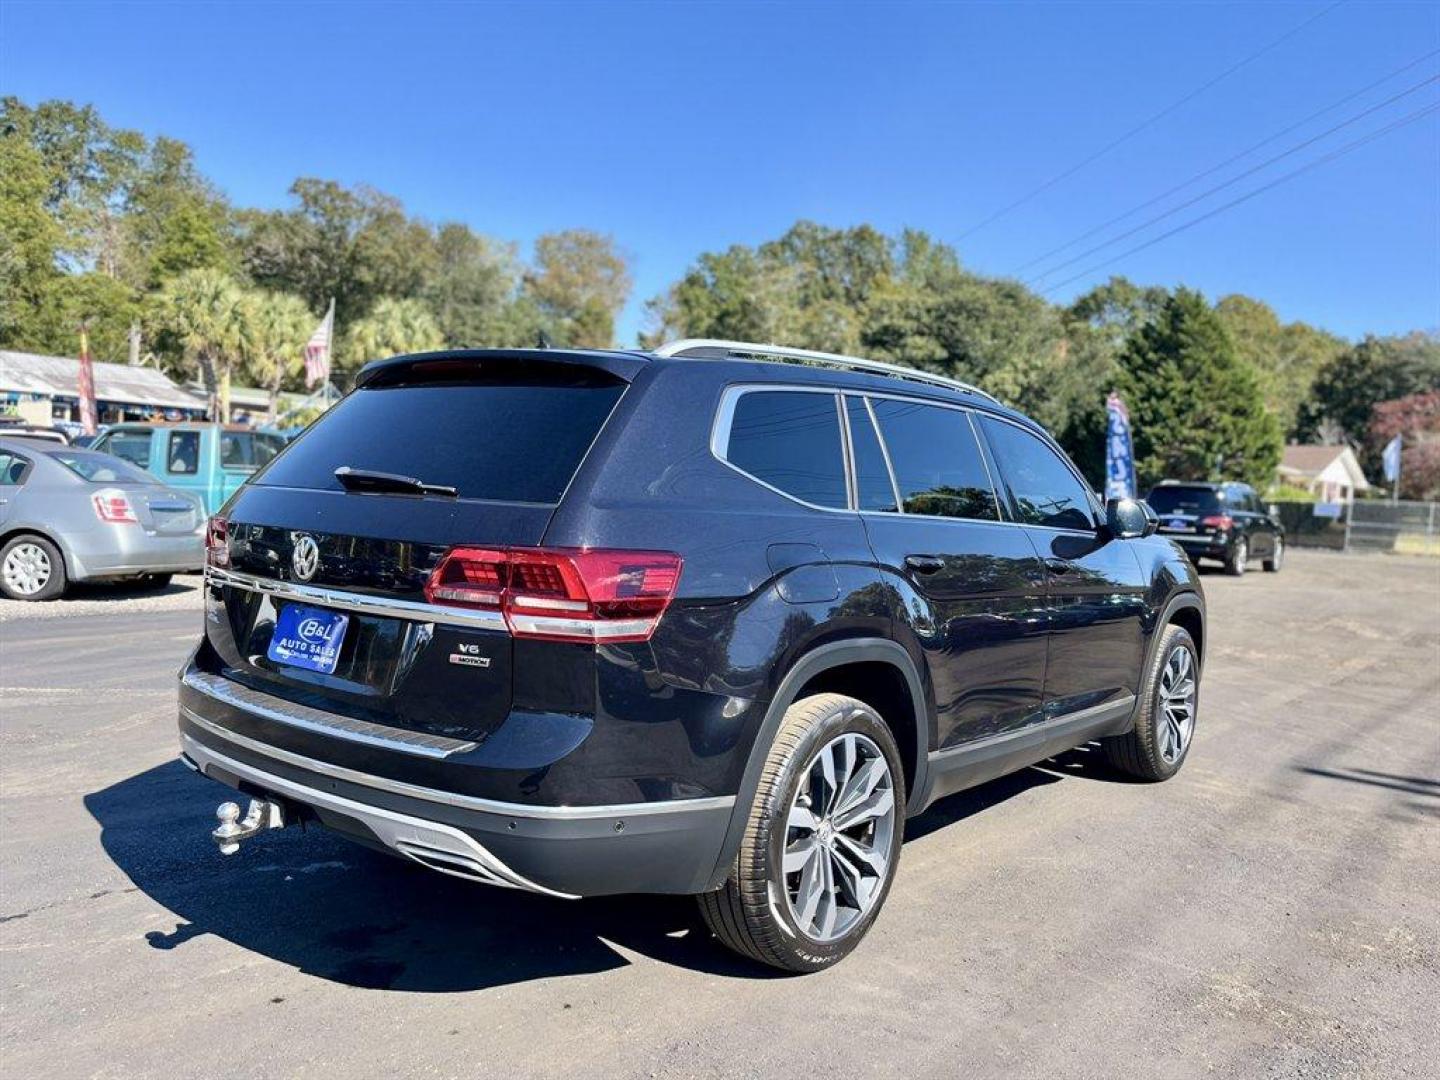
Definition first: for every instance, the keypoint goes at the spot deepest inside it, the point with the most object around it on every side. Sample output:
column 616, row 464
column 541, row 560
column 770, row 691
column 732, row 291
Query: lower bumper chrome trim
column 311, row 719
column 439, row 847
column 450, row 798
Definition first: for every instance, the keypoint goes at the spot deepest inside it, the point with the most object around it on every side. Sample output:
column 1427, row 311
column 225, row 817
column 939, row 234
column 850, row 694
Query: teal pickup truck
column 208, row 460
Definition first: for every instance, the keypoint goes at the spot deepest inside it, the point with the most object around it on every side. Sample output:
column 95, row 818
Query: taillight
column 562, row 594
column 112, row 505
column 217, row 542
column 1219, row 522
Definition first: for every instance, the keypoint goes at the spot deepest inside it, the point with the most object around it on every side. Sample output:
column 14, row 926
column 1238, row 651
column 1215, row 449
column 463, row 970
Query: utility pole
column 134, row 357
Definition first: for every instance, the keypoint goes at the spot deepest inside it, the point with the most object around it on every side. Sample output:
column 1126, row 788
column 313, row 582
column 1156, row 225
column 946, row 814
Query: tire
column 1238, row 560
column 31, row 568
column 1160, row 741
column 761, row 911
column 1277, row 557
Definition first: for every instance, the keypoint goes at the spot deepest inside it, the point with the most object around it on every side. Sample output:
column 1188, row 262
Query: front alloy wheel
column 1156, row 747
column 821, row 846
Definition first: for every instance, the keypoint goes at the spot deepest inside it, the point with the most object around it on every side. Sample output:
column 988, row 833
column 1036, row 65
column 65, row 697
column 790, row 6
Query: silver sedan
column 76, row 515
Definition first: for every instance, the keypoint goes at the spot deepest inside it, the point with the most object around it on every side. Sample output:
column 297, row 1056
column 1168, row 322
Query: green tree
column 1195, row 405
column 1287, row 356
column 30, row 235
column 1347, row 388
column 353, row 245
column 277, row 327
column 579, row 283
column 175, row 220
column 394, row 327
column 473, row 291
column 205, row 315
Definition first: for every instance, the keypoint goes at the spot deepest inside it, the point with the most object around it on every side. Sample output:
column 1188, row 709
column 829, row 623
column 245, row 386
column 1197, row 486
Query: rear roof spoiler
column 622, row 365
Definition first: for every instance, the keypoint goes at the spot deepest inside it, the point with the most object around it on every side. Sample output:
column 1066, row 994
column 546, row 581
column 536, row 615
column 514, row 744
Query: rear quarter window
column 516, row 439
column 790, row 440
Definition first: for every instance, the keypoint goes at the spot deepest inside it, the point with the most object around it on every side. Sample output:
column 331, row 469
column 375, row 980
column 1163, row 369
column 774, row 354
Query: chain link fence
column 1409, row 528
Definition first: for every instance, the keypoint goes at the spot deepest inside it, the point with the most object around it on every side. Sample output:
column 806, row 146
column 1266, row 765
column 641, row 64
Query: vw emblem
column 305, row 558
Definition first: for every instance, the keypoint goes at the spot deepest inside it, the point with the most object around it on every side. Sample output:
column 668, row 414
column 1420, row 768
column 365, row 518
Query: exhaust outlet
column 260, row 815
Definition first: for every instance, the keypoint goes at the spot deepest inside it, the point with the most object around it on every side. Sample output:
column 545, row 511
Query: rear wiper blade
column 370, row 480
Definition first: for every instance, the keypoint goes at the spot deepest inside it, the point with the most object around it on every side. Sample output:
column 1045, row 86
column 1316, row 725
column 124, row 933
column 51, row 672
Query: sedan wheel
column 27, row 569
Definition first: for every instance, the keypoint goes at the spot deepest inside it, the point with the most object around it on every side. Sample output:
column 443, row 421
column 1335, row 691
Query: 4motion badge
column 469, row 656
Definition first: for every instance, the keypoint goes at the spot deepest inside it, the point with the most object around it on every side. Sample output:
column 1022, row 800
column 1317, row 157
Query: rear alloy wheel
column 1156, row 747
column 31, row 568
column 820, row 850
column 1277, row 557
column 1239, row 558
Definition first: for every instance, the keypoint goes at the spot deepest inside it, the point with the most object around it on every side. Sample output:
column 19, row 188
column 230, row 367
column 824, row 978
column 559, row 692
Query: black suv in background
column 711, row 620
column 1225, row 522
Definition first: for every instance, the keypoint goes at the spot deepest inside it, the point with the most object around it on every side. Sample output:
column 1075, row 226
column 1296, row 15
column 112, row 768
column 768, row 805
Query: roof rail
column 711, row 349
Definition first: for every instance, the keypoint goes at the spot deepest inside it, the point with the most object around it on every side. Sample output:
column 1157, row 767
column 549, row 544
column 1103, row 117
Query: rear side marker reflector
column 561, row 594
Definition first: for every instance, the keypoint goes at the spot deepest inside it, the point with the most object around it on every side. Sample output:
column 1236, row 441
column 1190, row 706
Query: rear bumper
column 660, row 847
column 1201, row 547
column 128, row 549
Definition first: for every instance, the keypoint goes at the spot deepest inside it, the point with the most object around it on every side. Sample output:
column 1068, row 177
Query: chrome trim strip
column 365, row 605
column 884, row 452
column 450, row 798
column 1118, row 706
column 312, row 719
column 398, row 831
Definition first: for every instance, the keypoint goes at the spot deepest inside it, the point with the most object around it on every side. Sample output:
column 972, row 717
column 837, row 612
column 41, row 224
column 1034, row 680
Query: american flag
column 317, row 349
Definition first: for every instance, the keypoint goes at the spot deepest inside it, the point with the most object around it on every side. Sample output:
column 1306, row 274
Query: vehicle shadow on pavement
column 351, row 915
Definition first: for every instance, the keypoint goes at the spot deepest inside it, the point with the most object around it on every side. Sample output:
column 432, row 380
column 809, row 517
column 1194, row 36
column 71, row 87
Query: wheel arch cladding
column 841, row 667
column 1187, row 614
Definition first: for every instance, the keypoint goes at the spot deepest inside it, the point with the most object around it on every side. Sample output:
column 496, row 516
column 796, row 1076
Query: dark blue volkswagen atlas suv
column 714, row 619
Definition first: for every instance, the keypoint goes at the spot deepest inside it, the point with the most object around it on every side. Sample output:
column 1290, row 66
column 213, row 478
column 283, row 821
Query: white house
column 1331, row 473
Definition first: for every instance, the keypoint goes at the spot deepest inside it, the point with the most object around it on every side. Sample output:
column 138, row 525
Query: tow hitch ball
column 259, row 816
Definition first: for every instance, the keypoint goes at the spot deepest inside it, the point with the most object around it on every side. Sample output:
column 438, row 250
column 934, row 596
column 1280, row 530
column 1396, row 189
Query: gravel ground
column 1273, row 911
column 182, row 594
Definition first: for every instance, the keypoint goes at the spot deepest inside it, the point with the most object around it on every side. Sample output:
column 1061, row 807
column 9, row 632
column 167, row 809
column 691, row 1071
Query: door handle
column 1060, row 566
column 924, row 564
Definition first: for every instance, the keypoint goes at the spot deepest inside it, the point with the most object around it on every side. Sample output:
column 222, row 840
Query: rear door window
column 790, row 440
column 182, row 454
column 937, row 461
column 516, row 438
column 1043, row 489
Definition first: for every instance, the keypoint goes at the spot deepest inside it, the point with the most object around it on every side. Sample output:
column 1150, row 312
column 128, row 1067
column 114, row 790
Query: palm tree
column 279, row 324
column 205, row 310
column 393, row 327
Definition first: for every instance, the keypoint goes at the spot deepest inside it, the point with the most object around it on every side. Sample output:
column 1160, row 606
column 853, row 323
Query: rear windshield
column 519, row 439
column 101, row 468
column 1184, row 500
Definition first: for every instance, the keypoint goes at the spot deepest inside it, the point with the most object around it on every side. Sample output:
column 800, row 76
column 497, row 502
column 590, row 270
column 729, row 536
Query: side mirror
column 1129, row 519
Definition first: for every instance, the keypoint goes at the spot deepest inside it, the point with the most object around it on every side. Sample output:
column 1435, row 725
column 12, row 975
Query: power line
column 1338, row 152
column 1228, row 161
column 1233, row 180
column 1048, row 184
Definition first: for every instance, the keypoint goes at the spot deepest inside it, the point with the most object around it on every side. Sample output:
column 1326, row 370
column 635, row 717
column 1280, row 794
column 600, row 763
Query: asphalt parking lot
column 1272, row 912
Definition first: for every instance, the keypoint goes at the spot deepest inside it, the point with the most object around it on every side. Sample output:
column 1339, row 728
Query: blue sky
column 686, row 128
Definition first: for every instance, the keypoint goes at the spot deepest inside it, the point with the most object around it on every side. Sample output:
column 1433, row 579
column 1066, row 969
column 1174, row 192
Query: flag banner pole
column 89, row 418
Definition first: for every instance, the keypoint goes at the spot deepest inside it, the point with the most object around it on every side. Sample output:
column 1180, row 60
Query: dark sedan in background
column 68, row 514
column 1225, row 522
